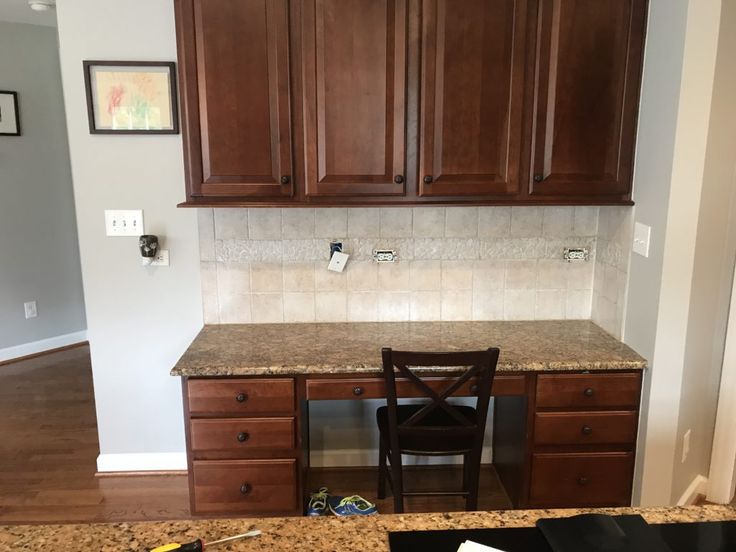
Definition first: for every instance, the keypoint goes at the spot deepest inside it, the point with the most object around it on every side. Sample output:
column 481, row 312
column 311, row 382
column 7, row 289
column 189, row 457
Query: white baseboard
column 698, row 486
column 18, row 351
column 146, row 461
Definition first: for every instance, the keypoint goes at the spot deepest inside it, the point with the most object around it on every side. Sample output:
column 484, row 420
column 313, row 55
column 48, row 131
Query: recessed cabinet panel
column 242, row 67
column 472, row 88
column 587, row 85
column 354, row 71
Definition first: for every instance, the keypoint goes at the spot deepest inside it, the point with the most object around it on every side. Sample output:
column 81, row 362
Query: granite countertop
column 353, row 348
column 305, row 534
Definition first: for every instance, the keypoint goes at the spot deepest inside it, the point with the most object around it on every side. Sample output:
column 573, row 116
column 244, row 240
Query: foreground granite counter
column 346, row 348
column 304, row 534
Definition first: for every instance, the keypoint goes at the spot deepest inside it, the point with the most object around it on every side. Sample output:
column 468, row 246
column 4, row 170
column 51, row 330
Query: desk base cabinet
column 560, row 439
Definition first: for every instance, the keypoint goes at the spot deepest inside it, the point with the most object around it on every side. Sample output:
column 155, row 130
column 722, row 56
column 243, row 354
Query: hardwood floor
column 49, row 448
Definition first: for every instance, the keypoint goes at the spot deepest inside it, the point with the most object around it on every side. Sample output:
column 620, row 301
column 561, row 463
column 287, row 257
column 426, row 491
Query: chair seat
column 444, row 437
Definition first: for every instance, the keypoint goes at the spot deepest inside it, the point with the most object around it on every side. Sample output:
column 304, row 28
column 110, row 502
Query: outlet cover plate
column 642, row 236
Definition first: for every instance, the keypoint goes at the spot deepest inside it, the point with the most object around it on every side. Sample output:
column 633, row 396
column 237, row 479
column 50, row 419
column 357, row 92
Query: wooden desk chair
column 436, row 428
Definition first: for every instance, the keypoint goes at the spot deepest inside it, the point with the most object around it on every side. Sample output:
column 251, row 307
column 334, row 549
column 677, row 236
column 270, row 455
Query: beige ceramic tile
column 299, row 307
column 395, row 222
column 521, row 274
column 580, row 275
column 393, row 306
column 578, row 304
column 394, row 276
column 488, row 274
column 425, row 306
column 362, row 275
column 457, row 275
column 557, row 221
column 550, row 304
column 235, row 309
column 331, row 223
column 210, row 301
column 206, row 229
column 519, row 304
column 266, row 277
column 362, row 306
column 299, row 276
column 267, row 307
column 425, row 275
column 488, row 304
column 297, row 223
column 526, row 222
column 331, row 306
column 494, row 222
column 429, row 222
column 327, row 280
column 585, row 221
column 461, row 222
column 233, row 278
column 552, row 274
column 264, row 223
column 231, row 224
column 457, row 305
column 363, row 222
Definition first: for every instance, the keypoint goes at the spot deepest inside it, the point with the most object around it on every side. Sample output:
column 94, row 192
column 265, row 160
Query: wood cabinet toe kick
column 561, row 439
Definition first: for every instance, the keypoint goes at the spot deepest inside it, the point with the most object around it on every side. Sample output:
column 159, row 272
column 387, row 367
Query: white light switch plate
column 124, row 223
column 642, row 235
column 338, row 261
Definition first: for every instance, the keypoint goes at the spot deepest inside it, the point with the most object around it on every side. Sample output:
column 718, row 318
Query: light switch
column 124, row 223
column 642, row 235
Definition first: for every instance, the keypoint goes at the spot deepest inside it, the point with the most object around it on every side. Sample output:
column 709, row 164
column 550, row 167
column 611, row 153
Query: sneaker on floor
column 351, row 506
column 318, row 503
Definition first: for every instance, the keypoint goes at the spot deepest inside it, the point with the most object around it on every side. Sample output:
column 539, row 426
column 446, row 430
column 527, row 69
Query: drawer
column 588, row 390
column 213, row 397
column 585, row 428
column 571, row 480
column 242, row 434
column 244, row 486
column 375, row 388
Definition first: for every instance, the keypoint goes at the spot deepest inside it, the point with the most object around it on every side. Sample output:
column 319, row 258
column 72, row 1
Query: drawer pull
column 242, row 436
column 357, row 391
column 582, row 481
column 587, row 430
column 588, row 392
column 241, row 397
column 246, row 488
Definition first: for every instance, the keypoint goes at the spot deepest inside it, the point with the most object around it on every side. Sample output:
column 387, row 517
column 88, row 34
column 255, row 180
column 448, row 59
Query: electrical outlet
column 161, row 258
column 384, row 255
column 685, row 445
column 31, row 309
column 575, row 254
column 124, row 223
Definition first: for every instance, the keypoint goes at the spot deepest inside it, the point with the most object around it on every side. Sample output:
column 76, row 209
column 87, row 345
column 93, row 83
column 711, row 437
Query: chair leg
column 397, row 483
column 381, row 469
column 473, row 469
column 466, row 459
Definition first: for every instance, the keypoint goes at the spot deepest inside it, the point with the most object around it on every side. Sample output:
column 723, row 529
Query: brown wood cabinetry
column 336, row 102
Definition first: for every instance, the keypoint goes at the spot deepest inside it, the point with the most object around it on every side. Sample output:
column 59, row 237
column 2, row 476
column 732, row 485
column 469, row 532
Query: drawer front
column 240, row 396
column 571, row 480
column 588, row 390
column 375, row 388
column 242, row 434
column 244, row 486
column 585, row 428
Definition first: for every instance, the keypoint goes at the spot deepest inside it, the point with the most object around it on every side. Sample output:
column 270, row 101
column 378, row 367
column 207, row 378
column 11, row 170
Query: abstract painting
column 9, row 118
column 131, row 97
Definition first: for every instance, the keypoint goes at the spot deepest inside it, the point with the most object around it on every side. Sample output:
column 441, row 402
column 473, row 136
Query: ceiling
column 18, row 11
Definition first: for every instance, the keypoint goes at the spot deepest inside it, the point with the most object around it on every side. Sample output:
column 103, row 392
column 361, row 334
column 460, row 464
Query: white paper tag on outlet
column 338, row 261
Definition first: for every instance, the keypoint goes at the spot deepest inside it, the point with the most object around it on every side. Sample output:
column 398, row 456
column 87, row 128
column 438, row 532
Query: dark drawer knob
column 582, row 481
column 427, row 179
column 474, row 389
column 243, row 437
column 587, row 430
column 357, row 391
column 241, row 397
column 285, row 179
column 246, row 488
column 588, row 392
column 538, row 177
column 399, row 179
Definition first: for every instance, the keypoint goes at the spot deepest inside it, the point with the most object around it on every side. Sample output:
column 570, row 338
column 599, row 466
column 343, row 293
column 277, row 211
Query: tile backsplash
column 455, row 263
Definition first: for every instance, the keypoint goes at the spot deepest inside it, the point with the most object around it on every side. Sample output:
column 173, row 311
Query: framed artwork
column 9, row 117
column 131, row 97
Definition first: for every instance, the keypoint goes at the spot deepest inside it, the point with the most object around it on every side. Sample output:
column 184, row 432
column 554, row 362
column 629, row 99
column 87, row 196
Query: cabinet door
column 234, row 59
column 354, row 78
column 472, row 81
column 587, row 86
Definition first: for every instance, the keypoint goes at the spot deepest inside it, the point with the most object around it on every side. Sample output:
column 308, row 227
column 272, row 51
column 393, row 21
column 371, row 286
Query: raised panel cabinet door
column 472, row 95
column 234, row 61
column 589, row 57
column 354, row 79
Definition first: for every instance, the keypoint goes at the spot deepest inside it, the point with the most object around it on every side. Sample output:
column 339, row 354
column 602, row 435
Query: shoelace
column 320, row 496
column 356, row 500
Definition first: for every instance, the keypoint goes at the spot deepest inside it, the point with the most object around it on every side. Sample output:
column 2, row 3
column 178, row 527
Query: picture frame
column 131, row 97
column 9, row 113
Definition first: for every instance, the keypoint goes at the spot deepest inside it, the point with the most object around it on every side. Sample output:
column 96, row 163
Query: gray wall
column 39, row 257
column 140, row 319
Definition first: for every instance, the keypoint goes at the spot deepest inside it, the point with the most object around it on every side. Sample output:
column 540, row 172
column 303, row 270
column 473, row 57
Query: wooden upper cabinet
column 472, row 96
column 234, row 67
column 588, row 69
column 354, row 96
